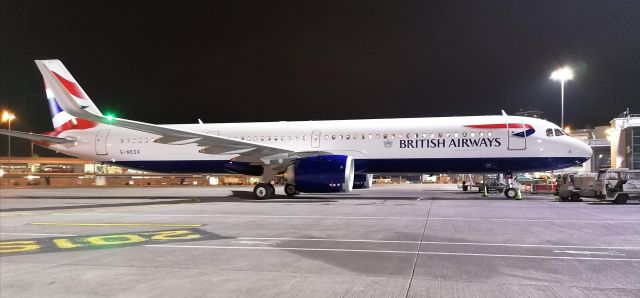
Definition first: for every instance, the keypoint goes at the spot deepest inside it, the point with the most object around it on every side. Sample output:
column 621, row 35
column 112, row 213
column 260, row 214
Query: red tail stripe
column 72, row 87
column 501, row 125
column 69, row 125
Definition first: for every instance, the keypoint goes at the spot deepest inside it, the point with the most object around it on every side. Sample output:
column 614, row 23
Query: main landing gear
column 290, row 190
column 264, row 191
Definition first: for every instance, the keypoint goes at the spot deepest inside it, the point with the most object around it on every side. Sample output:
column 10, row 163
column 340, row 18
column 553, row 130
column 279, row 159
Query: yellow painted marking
column 115, row 239
column 65, row 243
column 113, row 224
column 175, row 235
column 16, row 246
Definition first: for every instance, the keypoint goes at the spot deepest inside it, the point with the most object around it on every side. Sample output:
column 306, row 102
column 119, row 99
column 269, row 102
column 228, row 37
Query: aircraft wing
column 245, row 150
column 35, row 137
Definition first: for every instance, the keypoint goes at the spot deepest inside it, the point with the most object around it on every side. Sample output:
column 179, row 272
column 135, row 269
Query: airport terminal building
column 624, row 135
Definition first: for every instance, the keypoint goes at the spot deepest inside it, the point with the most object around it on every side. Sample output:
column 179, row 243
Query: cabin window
column 348, row 137
column 384, row 136
column 482, row 134
column 489, row 134
column 448, row 135
column 304, row 137
column 439, row 135
column 455, row 134
column 473, row 134
column 393, row 136
column 275, row 138
column 333, row 137
column 464, row 134
column 424, row 135
column 370, row 136
column 326, row 137
column 377, row 136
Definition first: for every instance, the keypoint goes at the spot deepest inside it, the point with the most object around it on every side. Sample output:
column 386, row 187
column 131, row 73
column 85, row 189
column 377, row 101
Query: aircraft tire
column 290, row 190
column 510, row 193
column 263, row 191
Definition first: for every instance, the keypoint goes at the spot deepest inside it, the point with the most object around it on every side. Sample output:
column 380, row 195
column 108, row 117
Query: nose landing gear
column 510, row 193
column 512, row 190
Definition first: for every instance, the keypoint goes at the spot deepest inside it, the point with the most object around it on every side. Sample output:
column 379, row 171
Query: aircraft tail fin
column 58, row 82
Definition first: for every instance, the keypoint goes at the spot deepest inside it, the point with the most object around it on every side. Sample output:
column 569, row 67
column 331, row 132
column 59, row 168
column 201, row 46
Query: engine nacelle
column 322, row 174
column 361, row 181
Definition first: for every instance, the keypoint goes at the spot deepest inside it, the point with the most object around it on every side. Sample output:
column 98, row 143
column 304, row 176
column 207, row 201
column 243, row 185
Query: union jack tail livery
column 62, row 121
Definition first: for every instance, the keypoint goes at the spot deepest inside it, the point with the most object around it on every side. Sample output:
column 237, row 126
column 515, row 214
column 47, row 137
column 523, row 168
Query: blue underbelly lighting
column 412, row 165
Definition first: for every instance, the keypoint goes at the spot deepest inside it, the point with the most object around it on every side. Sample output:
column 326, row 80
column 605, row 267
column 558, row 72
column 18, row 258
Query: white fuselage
column 420, row 145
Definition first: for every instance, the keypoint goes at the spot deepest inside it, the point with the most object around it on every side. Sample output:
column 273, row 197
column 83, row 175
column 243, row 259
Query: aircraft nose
column 582, row 149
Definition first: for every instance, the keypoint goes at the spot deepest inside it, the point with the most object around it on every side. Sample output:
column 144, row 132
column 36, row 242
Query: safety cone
column 518, row 194
column 485, row 192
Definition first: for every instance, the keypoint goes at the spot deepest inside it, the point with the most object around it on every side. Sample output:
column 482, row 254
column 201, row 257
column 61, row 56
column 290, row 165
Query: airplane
column 313, row 156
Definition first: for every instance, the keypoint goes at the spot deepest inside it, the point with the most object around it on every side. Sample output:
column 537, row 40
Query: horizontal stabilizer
column 35, row 136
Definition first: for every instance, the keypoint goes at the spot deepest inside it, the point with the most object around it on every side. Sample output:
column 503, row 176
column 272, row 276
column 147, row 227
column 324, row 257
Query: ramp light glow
column 7, row 116
column 562, row 74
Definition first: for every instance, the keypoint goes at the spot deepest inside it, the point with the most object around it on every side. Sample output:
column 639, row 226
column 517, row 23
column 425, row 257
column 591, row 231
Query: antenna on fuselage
column 200, row 121
column 504, row 113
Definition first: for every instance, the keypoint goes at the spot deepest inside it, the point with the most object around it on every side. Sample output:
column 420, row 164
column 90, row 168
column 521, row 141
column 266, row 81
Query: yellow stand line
column 113, row 224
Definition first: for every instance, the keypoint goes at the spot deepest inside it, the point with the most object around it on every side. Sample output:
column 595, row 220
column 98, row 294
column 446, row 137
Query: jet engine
column 322, row 174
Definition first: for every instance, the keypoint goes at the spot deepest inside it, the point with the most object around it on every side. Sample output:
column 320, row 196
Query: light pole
column 8, row 117
column 562, row 74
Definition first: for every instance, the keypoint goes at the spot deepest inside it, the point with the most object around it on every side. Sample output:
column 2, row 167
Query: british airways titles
column 452, row 143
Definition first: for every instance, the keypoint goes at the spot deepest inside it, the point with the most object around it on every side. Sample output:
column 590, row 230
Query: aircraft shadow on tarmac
column 149, row 202
column 244, row 197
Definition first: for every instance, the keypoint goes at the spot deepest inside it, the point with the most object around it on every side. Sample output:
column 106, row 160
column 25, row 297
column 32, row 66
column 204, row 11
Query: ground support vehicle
column 616, row 185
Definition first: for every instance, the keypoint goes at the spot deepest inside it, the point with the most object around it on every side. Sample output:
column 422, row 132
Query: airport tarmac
column 389, row 241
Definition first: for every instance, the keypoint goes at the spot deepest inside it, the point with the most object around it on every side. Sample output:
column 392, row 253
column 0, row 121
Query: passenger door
column 516, row 134
column 101, row 141
column 315, row 139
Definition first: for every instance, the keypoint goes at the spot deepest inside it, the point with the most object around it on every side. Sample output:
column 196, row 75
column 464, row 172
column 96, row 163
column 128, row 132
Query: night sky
column 238, row 61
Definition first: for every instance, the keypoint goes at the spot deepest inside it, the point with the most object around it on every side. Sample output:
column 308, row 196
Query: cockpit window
column 558, row 132
column 549, row 132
